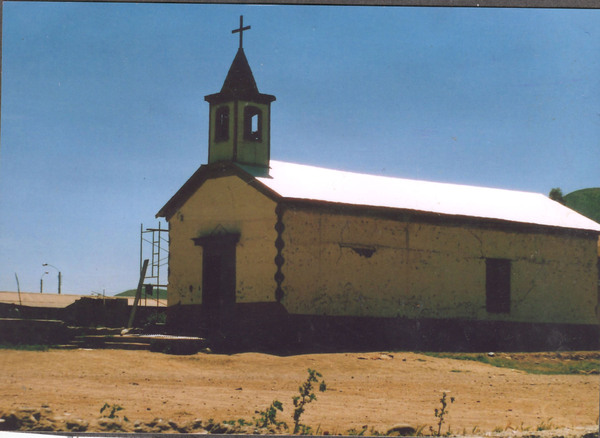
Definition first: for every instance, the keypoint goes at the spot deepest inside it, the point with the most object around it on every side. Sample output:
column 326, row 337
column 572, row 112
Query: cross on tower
column 241, row 30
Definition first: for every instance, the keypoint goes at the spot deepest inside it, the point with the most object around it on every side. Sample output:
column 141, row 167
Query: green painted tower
column 240, row 116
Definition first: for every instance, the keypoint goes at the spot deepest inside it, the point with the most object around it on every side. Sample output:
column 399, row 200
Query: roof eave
column 217, row 98
column 438, row 218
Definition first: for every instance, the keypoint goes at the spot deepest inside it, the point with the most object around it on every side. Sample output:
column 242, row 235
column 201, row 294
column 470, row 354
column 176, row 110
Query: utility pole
column 42, row 282
column 59, row 275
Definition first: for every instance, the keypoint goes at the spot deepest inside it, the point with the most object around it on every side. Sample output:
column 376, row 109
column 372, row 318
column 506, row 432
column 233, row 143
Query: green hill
column 131, row 293
column 586, row 202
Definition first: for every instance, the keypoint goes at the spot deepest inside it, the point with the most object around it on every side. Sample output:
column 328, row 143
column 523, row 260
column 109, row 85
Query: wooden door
column 218, row 283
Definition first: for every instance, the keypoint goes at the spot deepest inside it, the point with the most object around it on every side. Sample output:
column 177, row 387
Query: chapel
column 270, row 254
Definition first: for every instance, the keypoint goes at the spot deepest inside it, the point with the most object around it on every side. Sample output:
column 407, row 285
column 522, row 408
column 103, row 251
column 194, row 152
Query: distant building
column 267, row 251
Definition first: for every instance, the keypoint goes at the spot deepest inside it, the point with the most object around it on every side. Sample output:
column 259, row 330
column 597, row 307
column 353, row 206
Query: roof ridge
column 400, row 178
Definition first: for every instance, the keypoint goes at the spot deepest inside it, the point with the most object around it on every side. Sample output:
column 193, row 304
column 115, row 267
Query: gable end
column 204, row 173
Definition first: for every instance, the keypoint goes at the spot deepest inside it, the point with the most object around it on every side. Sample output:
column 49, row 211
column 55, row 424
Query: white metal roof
column 314, row 183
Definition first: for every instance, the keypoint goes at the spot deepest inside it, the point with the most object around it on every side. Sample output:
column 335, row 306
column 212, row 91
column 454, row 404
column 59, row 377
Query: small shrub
column 268, row 417
column 110, row 411
column 306, row 396
column 440, row 414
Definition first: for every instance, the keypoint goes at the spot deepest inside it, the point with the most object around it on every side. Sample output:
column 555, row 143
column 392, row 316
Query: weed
column 522, row 428
column 440, row 414
column 545, row 425
column 240, row 422
column 356, row 432
column 419, row 430
column 306, row 396
column 110, row 411
column 303, row 429
column 268, row 417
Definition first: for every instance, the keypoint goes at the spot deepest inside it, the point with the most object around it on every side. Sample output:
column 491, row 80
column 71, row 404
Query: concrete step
column 157, row 343
column 96, row 331
column 114, row 339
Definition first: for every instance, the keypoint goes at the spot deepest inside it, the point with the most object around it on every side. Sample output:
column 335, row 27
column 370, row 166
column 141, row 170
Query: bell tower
column 240, row 116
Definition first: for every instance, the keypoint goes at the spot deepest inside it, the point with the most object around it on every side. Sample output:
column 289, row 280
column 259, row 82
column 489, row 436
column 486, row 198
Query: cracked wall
column 432, row 271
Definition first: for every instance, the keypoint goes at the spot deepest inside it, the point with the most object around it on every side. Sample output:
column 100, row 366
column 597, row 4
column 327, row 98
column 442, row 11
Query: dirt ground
column 378, row 390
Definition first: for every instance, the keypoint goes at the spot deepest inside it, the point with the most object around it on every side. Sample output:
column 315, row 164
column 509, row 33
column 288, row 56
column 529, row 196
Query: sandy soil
column 377, row 390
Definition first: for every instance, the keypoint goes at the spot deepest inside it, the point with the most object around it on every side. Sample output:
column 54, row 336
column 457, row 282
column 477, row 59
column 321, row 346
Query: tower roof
column 240, row 79
column 239, row 83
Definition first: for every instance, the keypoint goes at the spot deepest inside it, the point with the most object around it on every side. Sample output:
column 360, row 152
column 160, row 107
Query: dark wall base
column 268, row 327
column 249, row 327
column 360, row 334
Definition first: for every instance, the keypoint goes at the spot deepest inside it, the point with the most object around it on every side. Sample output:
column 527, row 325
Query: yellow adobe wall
column 230, row 203
column 432, row 271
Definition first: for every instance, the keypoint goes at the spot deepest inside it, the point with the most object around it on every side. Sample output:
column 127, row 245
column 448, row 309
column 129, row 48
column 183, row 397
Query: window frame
column 222, row 119
column 249, row 113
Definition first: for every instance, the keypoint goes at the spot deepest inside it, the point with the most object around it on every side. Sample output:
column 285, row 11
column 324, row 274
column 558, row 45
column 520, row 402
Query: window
column 252, row 123
column 222, row 124
column 497, row 285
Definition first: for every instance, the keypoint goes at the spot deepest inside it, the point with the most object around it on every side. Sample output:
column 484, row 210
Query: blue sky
column 103, row 112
